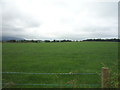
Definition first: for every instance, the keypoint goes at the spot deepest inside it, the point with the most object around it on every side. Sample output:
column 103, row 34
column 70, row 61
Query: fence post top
column 104, row 68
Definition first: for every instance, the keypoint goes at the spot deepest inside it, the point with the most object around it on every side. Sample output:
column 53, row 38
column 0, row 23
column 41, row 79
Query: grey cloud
column 10, row 17
column 108, row 9
column 15, row 22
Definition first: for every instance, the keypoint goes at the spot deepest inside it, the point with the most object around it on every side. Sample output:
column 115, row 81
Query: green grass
column 75, row 57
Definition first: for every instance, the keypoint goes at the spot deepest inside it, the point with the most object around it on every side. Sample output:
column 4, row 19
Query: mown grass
column 75, row 57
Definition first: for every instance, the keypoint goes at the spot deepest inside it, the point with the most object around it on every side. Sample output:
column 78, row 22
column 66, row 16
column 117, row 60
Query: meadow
column 64, row 57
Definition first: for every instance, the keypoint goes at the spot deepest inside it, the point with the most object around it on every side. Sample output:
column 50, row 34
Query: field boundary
column 104, row 77
column 38, row 84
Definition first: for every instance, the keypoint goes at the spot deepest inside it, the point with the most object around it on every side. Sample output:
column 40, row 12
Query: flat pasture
column 59, row 57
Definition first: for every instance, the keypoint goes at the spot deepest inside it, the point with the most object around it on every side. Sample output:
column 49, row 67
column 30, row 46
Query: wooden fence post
column 104, row 77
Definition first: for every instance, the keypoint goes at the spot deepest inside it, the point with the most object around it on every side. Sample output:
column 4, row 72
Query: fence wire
column 55, row 84
column 26, row 79
column 51, row 73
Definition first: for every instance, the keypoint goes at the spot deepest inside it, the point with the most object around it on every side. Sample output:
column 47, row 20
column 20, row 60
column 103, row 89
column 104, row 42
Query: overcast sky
column 59, row 19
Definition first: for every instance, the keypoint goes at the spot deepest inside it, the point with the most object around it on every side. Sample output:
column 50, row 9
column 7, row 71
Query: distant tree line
column 38, row 41
column 113, row 40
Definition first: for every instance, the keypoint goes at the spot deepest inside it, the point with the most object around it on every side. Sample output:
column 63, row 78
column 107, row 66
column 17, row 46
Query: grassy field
column 75, row 57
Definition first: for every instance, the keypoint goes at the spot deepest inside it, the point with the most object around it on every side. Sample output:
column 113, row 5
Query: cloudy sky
column 60, row 19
